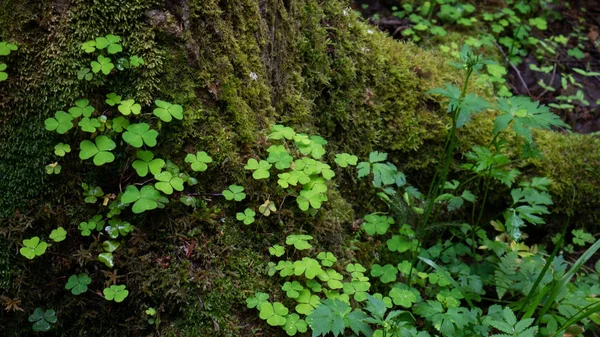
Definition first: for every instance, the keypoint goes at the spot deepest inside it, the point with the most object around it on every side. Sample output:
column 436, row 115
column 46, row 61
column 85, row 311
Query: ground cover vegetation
column 448, row 255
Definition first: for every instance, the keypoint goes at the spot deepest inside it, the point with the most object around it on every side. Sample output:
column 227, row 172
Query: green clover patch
column 59, row 234
column 61, row 149
column 103, row 64
column 42, row 319
column 146, row 162
column 129, row 106
column 247, row 217
column 274, row 313
column 82, row 108
column 261, row 169
column 110, row 42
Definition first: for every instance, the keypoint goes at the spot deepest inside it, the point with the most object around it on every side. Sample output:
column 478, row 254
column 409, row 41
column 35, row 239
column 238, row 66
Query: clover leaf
column 61, row 122
column 277, row 250
column 53, row 168
column 115, row 292
column 345, row 159
column 140, row 134
column 95, row 223
column 103, row 64
column 399, row 244
column 198, row 161
column 112, row 99
column 33, row 247
column 294, row 324
column 144, row 200
column 85, row 73
column 312, row 146
column 89, row 46
column 78, row 283
column 92, row 193
column 279, row 132
column 386, row 273
column 288, row 178
column 61, row 149
column 89, row 124
column 6, row 48
column 307, row 266
column 403, row 297
column 99, row 150
column 310, row 198
column 168, row 182
column 234, row 192
column 82, row 107
column 261, row 169
column 129, row 106
column 3, row 74
column 117, row 227
column 166, row 111
column 274, row 313
column 110, row 245
column 110, row 42
column 299, row 241
column 59, row 234
column 107, row 259
column 333, row 279
column 42, row 319
column 376, row 224
column 256, row 301
column 267, row 207
column 292, row 288
column 280, row 156
column 327, row 259
column 146, row 162
column 136, row 61
column 307, row 302
column 247, row 217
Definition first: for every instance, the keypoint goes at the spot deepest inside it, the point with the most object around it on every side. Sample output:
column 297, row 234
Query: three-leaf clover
column 168, row 182
column 61, row 122
column 279, row 132
column 3, row 74
column 85, row 73
column 307, row 302
column 89, row 46
column 99, row 150
column 299, row 241
column 345, row 159
column 6, row 48
column 198, row 161
column 377, row 224
column 129, row 106
column 167, row 111
column 53, row 168
column 266, row 208
column 82, row 107
column 89, row 124
column 117, row 227
column 274, row 313
column 277, row 250
column 78, row 283
column 386, row 273
column 33, row 247
column 256, row 301
column 120, row 123
column 140, row 134
column 110, row 42
column 327, row 259
column 61, row 149
column 146, row 162
column 280, row 156
column 144, row 199
column 115, row 292
column 103, row 64
column 59, row 234
column 112, row 99
column 234, row 192
column 42, row 319
column 403, row 297
column 294, row 324
column 247, row 217
column 136, row 61
column 307, row 266
column 95, row 223
column 92, row 193
column 261, row 169
column 292, row 289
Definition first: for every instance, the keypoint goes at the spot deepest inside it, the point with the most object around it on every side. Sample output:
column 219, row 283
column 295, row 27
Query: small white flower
column 253, row 76
column 370, row 31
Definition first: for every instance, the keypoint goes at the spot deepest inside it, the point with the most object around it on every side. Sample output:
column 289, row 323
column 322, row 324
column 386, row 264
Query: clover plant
column 234, row 192
column 78, row 283
column 99, row 150
column 166, row 182
column 118, row 293
column 53, row 168
column 61, row 122
column 167, row 111
column 247, row 216
column 42, row 319
column 61, row 149
column 198, row 161
column 128, row 106
column 139, row 134
column 33, row 247
column 143, row 199
column 59, row 234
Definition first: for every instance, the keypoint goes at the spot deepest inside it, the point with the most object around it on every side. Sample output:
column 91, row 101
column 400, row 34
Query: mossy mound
column 236, row 67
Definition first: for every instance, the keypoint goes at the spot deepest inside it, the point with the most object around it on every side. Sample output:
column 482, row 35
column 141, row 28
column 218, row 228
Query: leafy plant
column 59, row 234
column 198, row 161
column 99, row 150
column 78, row 283
column 61, row 122
column 139, row 134
column 247, row 217
column 234, row 192
column 167, row 111
column 115, row 292
column 144, row 199
column 42, row 319
column 33, row 247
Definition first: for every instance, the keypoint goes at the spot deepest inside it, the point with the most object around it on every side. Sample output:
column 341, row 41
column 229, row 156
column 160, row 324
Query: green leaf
column 3, row 74
column 247, row 217
column 103, row 64
column 120, row 124
column 95, row 223
column 327, row 259
column 307, row 266
column 110, row 42
column 399, row 244
column 385, row 273
column 136, row 61
column 61, row 123
column 345, row 159
column 198, row 161
column 280, row 132
column 299, row 241
column 82, row 107
column 261, row 169
column 6, row 48
column 167, row 111
column 59, row 234
column 115, row 292
column 84, row 73
column 112, row 99
column 312, row 145
column 256, row 301
column 280, row 156
column 33, row 247
column 99, row 150
column 267, row 207
column 89, row 124
column 139, row 134
column 61, row 149
column 292, row 289
column 234, row 192
column 53, row 168
column 403, row 297
column 364, row 168
column 110, row 245
column 117, row 227
column 166, row 182
column 294, row 324
column 129, row 106
column 276, row 250
column 375, row 157
column 107, row 259
column 274, row 313
column 376, row 224
column 146, row 163
column 307, row 302
column 144, row 200
column 42, row 319
column 328, row 318
column 78, row 283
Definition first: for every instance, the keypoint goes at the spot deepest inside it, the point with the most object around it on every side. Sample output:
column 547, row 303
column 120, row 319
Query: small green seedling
column 53, row 168
column 266, row 208
column 115, row 292
column 59, row 234
column 78, row 283
column 151, row 312
column 95, row 223
column 247, row 217
column 33, row 247
column 91, row 193
column 198, row 161
column 234, row 192
column 82, row 108
column 277, row 250
column 112, row 99
column 42, row 320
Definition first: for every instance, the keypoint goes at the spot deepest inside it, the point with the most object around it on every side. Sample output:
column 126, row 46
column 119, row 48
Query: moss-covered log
column 236, row 66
